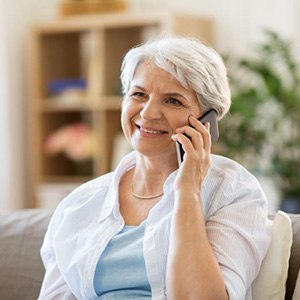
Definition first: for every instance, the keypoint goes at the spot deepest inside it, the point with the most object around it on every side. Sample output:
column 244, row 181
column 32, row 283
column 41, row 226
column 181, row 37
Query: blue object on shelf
column 60, row 85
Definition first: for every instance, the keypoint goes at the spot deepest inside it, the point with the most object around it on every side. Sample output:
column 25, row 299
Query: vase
column 83, row 167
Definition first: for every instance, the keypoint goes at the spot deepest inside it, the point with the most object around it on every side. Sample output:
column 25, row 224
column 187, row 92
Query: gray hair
column 195, row 65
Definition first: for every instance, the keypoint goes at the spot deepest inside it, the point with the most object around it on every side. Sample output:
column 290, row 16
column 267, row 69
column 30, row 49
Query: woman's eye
column 174, row 101
column 138, row 95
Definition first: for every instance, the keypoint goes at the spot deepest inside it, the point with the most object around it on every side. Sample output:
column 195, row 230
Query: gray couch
column 22, row 271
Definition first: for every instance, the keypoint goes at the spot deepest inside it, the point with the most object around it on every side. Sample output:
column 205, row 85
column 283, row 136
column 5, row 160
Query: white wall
column 15, row 19
column 296, row 26
column 5, row 136
column 238, row 25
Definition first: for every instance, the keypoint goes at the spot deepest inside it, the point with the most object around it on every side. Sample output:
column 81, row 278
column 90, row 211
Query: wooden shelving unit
column 91, row 48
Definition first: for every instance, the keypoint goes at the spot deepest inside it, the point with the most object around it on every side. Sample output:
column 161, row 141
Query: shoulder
column 85, row 191
column 89, row 187
column 222, row 163
column 89, row 197
column 229, row 169
column 85, row 199
column 228, row 182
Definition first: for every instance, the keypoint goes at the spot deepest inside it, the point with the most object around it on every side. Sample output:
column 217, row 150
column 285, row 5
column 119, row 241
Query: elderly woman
column 151, row 229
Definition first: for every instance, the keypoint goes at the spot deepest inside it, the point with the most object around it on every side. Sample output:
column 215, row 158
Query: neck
column 150, row 174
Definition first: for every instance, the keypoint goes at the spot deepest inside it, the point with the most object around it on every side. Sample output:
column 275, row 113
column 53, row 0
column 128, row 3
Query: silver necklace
column 144, row 197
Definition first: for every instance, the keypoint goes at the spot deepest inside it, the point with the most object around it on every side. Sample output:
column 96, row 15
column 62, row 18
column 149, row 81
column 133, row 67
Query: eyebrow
column 176, row 95
column 169, row 94
column 138, row 87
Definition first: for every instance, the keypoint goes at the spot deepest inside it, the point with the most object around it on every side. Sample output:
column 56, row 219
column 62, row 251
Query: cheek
column 181, row 118
column 179, row 121
column 127, row 114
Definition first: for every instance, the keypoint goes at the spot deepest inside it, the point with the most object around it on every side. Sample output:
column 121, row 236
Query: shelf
column 66, row 179
column 90, row 48
column 106, row 103
column 108, row 20
column 111, row 103
column 49, row 106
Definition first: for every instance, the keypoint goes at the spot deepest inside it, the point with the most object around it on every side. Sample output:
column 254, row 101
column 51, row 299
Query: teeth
column 150, row 131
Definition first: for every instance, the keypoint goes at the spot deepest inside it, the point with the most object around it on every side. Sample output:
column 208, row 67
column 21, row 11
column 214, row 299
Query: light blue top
column 121, row 271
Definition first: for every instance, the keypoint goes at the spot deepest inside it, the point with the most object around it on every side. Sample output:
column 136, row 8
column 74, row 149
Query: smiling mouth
column 151, row 131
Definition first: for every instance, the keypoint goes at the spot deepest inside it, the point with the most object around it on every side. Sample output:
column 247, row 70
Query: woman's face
column 155, row 105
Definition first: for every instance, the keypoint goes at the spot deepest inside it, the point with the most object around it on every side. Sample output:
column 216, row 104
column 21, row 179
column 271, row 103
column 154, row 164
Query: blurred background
column 60, row 89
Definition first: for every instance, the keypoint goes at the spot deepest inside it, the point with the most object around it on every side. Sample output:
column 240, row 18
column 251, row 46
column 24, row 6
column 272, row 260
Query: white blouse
column 235, row 209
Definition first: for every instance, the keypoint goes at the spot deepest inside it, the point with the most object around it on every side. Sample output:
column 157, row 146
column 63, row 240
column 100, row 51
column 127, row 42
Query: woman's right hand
column 196, row 143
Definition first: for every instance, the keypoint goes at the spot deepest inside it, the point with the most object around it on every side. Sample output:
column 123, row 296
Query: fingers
column 203, row 130
column 197, row 136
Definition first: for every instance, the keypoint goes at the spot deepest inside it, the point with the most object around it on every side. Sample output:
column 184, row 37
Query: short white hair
column 195, row 65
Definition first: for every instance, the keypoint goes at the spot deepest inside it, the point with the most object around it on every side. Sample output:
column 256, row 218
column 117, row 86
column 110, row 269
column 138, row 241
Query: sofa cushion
column 271, row 280
column 21, row 268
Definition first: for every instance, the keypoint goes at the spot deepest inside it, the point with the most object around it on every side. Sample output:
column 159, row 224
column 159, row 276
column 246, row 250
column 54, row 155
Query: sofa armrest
column 21, row 268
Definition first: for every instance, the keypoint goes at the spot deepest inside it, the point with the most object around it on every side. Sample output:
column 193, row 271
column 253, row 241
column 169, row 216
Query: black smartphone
column 210, row 116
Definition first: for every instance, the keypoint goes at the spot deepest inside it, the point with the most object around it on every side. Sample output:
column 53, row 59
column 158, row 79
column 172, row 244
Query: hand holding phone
column 211, row 117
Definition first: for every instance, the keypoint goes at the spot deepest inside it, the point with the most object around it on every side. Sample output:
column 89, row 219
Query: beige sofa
column 21, row 269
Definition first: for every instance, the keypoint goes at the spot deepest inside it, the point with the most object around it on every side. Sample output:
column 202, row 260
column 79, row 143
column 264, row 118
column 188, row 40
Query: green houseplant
column 263, row 129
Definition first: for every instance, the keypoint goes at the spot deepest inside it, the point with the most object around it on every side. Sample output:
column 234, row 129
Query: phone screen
column 211, row 117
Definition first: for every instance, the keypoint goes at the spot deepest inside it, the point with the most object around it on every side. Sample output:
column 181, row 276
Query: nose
column 151, row 110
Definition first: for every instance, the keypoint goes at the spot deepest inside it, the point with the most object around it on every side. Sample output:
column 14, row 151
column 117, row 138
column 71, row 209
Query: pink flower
column 75, row 141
